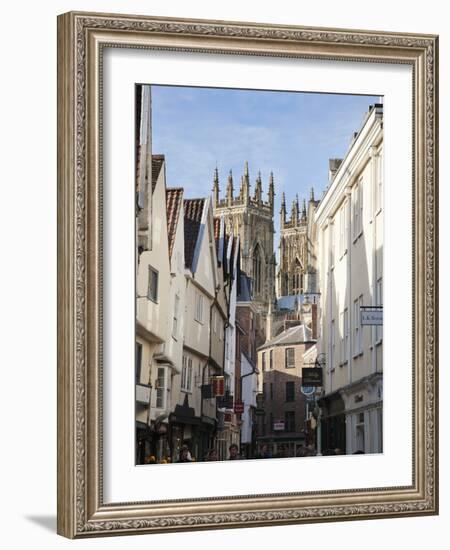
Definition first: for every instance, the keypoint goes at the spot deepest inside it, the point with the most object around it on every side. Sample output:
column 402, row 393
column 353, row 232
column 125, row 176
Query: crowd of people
column 233, row 454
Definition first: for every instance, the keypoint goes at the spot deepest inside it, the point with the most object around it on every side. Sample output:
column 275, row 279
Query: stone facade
column 280, row 363
column 349, row 223
column 251, row 217
column 295, row 248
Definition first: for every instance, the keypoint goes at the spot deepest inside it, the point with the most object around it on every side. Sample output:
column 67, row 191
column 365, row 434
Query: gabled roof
column 174, row 198
column 193, row 211
column 157, row 162
column 294, row 335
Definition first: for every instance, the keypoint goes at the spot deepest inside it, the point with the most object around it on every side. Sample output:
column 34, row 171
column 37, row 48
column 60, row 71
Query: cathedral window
column 297, row 278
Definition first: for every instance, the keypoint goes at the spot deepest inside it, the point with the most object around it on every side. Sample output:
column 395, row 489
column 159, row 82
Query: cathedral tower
column 251, row 217
column 295, row 256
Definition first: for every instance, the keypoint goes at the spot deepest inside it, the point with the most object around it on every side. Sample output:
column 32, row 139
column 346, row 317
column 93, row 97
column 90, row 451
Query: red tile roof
column 193, row 211
column 174, row 199
column 157, row 162
column 217, row 233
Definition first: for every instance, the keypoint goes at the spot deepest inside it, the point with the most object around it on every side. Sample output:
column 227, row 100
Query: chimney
column 333, row 167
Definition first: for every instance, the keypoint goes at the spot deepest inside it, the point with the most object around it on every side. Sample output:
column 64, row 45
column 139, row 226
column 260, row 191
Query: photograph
column 259, row 274
column 247, row 274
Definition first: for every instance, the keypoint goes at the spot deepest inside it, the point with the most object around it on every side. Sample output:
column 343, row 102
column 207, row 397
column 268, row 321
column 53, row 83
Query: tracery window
column 297, row 277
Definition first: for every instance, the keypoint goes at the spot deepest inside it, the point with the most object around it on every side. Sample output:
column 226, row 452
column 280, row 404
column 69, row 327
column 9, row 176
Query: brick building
column 280, row 362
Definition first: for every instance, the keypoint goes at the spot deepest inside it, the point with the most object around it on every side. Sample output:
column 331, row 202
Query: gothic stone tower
column 251, row 217
column 294, row 248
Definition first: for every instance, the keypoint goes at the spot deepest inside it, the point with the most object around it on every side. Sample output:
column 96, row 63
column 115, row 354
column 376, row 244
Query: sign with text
column 312, row 376
column 371, row 315
column 238, row 407
column 278, row 426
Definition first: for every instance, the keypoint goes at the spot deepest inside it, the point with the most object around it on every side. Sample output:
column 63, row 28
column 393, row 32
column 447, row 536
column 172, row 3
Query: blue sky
column 292, row 134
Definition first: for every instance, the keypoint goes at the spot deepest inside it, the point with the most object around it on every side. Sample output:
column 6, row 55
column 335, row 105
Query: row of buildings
column 223, row 336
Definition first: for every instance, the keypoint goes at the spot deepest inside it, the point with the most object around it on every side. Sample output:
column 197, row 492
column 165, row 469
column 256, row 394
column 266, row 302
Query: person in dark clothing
column 185, row 455
column 264, row 452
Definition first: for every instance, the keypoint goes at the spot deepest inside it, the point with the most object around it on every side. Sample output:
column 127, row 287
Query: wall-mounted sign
column 225, row 401
column 278, row 426
column 206, row 391
column 371, row 315
column 238, row 407
column 143, row 394
column 312, row 376
column 218, row 385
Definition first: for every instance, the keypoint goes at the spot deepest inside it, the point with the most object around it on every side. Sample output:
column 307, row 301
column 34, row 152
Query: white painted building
column 193, row 419
column 349, row 225
column 152, row 309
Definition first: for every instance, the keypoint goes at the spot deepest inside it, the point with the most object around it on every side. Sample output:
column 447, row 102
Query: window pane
column 152, row 284
column 290, row 391
column 290, row 358
column 289, row 421
column 160, row 389
column 138, row 362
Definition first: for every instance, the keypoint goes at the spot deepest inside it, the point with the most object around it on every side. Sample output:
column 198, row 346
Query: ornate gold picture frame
column 82, row 39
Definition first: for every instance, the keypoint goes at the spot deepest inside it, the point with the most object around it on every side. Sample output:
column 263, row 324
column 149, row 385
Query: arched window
column 297, row 277
column 257, row 269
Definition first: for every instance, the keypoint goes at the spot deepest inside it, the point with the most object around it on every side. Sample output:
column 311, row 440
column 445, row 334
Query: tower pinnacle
column 216, row 189
column 230, row 188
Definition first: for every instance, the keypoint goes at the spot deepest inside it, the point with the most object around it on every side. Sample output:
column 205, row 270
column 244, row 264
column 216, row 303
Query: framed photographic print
column 247, row 285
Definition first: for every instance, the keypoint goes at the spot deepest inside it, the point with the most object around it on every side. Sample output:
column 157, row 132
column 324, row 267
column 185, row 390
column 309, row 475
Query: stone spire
column 283, row 210
column 216, row 189
column 258, row 189
column 271, row 192
column 311, row 194
column 230, row 189
column 294, row 211
column 245, row 188
column 304, row 210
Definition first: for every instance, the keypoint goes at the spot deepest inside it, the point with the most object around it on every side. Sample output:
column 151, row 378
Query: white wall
column 28, row 221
